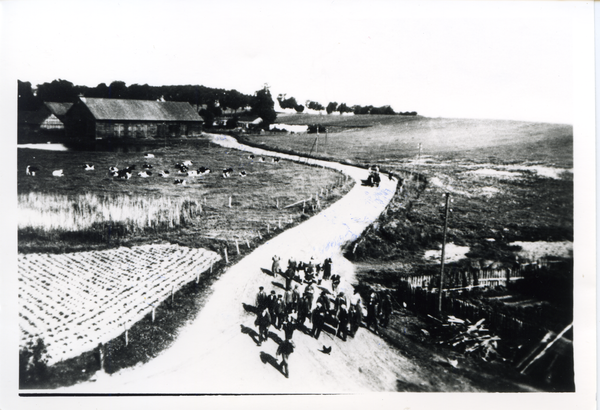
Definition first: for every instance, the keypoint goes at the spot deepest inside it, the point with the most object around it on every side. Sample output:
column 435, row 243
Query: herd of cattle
column 183, row 169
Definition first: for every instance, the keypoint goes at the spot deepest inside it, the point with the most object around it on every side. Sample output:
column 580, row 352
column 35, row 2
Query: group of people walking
column 291, row 309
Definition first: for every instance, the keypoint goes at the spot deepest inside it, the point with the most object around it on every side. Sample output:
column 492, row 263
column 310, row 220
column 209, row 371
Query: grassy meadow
column 85, row 208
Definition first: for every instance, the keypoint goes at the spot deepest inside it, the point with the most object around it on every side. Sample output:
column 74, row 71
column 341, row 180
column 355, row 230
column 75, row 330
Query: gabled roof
column 58, row 109
column 144, row 110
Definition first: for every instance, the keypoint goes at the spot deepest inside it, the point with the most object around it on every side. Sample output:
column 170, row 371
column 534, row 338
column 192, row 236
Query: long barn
column 103, row 118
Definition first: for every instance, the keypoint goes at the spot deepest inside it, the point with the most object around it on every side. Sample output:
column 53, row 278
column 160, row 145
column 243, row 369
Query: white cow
column 57, row 173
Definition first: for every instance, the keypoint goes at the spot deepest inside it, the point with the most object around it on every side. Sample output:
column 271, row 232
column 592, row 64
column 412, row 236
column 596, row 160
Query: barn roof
column 144, row 110
column 57, row 108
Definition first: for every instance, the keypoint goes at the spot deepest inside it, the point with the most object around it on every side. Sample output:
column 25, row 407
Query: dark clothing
column 275, row 268
column 386, row 311
column 372, row 314
column 263, row 321
column 289, row 276
column 335, row 282
column 327, row 269
column 279, row 310
column 271, row 301
column 310, row 294
column 355, row 314
column 288, row 300
column 318, row 318
column 261, row 300
column 325, row 302
column 343, row 323
column 288, row 328
column 303, row 310
column 285, row 349
column 295, row 299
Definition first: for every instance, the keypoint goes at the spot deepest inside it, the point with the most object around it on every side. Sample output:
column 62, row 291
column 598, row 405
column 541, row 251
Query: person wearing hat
column 372, row 309
column 261, row 299
column 263, row 321
column 323, row 299
column 288, row 301
column 295, row 299
column 284, row 349
column 271, row 301
column 279, row 311
column 289, row 276
column 303, row 310
column 343, row 318
column 386, row 310
column 318, row 318
column 339, row 300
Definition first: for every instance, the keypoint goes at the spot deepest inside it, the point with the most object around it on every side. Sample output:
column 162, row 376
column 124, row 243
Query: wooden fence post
column 268, row 228
column 279, row 222
column 226, row 258
column 237, row 246
column 230, row 201
column 153, row 314
column 247, row 244
column 277, row 203
column 126, row 334
column 172, row 293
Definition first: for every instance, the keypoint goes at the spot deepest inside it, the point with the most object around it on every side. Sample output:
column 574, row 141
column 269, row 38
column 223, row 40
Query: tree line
column 333, row 106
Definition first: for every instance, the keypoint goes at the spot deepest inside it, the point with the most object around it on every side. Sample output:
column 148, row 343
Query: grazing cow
column 180, row 182
column 147, row 166
column 144, row 174
column 181, row 169
column 276, row 160
column 192, row 173
column 261, row 159
column 113, row 169
column 31, row 170
column 187, row 163
column 251, row 156
column 149, row 156
column 227, row 172
column 164, row 173
column 243, row 173
column 57, row 173
column 203, row 171
column 89, row 167
column 124, row 173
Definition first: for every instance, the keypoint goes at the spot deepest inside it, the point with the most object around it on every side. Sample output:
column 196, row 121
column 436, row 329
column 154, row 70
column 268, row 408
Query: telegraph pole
column 443, row 251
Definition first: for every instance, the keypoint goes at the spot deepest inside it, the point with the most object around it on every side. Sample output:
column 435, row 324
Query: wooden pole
column 237, row 246
column 153, row 314
column 277, row 203
column 443, row 252
column 126, row 334
column 247, row 244
column 230, row 202
column 268, row 229
column 543, row 352
column 172, row 293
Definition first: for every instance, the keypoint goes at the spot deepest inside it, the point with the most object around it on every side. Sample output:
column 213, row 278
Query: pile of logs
column 471, row 338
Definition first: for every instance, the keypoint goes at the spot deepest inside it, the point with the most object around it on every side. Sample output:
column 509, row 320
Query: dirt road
column 217, row 354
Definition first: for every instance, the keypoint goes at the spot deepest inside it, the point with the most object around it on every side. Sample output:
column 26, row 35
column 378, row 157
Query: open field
column 95, row 208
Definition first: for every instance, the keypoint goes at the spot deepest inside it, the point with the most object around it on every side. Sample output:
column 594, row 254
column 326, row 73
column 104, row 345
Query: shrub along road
column 216, row 353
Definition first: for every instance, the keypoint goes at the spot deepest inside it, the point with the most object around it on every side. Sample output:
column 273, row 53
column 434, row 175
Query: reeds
column 72, row 213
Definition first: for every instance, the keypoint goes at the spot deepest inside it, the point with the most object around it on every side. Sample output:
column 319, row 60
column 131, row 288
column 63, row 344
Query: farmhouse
column 49, row 117
column 101, row 118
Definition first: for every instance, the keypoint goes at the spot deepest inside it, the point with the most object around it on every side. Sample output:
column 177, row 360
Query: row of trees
column 210, row 102
column 335, row 107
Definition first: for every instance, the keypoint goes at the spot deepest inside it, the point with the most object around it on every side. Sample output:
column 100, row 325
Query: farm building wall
column 145, row 129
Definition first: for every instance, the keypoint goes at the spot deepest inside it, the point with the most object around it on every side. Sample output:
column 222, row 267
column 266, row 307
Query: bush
column 312, row 129
column 33, row 368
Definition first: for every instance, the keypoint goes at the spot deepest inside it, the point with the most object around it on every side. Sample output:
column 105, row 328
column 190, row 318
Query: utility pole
column 443, row 251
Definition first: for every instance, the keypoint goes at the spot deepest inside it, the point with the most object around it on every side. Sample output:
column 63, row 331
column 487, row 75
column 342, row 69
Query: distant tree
column 342, row 108
column 299, row 108
column 313, row 105
column 264, row 106
column 141, row 92
column 331, row 107
column 385, row 110
column 208, row 117
column 57, row 91
column 117, row 89
column 27, row 101
column 359, row 110
column 234, row 100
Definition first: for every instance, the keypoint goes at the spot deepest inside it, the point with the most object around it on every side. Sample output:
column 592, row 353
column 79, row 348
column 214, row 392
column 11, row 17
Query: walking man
column 386, row 310
column 275, row 268
column 318, row 318
column 288, row 301
column 285, row 349
column 279, row 311
column 271, row 301
column 327, row 269
column 372, row 309
column 295, row 299
column 261, row 299
column 303, row 310
column 263, row 321
column 343, row 322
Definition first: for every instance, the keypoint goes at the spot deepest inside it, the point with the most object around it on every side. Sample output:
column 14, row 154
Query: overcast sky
column 507, row 60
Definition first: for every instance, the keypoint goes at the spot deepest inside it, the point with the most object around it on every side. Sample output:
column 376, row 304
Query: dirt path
column 217, row 354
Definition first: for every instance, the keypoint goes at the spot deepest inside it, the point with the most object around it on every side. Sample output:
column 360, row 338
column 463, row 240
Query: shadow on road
column 249, row 308
column 267, row 271
column 279, row 285
column 250, row 332
column 275, row 338
column 267, row 358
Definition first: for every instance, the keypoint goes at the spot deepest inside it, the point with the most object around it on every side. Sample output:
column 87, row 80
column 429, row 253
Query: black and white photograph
column 228, row 204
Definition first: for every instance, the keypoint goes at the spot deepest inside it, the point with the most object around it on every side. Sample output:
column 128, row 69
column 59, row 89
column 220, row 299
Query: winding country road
column 216, row 352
